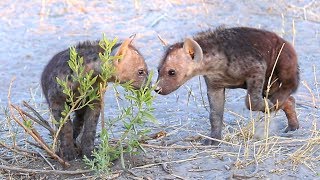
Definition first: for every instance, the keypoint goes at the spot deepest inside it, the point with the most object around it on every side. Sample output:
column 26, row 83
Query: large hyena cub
column 131, row 67
column 235, row 58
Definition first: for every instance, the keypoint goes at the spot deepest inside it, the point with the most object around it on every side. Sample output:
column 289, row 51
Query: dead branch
column 37, row 139
column 41, row 121
column 34, row 131
column 24, row 170
column 18, row 150
column 31, row 133
column 169, row 162
column 177, row 147
column 34, row 144
column 45, row 159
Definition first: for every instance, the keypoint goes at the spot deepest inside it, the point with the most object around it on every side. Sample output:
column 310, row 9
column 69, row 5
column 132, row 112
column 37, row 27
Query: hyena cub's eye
column 141, row 72
column 171, row 72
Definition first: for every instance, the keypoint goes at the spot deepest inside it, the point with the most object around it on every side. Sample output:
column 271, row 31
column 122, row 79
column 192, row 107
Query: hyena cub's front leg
column 254, row 98
column 78, row 122
column 216, row 97
column 91, row 117
column 67, row 148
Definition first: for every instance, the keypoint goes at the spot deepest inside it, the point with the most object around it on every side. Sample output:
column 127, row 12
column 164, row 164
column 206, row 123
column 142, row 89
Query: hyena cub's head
column 131, row 67
column 177, row 66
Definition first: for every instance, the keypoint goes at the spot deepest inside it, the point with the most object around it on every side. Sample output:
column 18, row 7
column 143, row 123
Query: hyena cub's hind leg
column 287, row 72
column 289, row 108
column 66, row 149
column 284, row 101
column 254, row 98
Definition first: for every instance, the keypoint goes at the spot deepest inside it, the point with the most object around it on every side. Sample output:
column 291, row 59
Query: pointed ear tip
column 133, row 36
column 188, row 42
column 126, row 42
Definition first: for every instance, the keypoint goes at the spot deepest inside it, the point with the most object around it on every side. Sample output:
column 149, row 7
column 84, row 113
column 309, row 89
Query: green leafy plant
column 133, row 116
column 104, row 156
column 87, row 93
column 107, row 70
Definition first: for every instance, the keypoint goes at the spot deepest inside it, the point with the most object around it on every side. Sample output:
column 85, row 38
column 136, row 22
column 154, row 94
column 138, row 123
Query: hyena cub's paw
column 87, row 151
column 208, row 142
column 214, row 134
column 68, row 153
column 292, row 127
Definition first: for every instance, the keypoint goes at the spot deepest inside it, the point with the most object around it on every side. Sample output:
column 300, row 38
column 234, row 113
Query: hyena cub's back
column 58, row 67
column 265, row 46
column 131, row 67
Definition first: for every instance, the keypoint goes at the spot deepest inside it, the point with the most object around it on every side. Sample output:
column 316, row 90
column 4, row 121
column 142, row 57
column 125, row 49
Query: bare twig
column 273, row 68
column 25, row 170
column 219, row 140
column 177, row 161
column 313, row 97
column 316, row 81
column 41, row 120
column 18, row 150
column 32, row 132
column 34, row 144
column 177, row 147
column 158, row 19
column 163, row 42
column 36, row 138
column 204, row 170
column 9, row 101
column 44, row 157
column 201, row 94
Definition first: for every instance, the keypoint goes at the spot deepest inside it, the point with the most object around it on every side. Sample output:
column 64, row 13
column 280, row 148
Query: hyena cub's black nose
column 158, row 89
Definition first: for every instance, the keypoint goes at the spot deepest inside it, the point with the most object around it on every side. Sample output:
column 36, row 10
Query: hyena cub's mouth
column 158, row 90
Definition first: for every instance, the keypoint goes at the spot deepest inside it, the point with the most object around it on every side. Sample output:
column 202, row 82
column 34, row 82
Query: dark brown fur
column 130, row 67
column 238, row 57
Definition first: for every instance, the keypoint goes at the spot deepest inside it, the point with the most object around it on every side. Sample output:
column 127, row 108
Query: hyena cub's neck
column 213, row 61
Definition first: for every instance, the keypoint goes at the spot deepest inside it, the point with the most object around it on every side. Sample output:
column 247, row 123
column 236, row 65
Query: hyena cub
column 231, row 58
column 131, row 67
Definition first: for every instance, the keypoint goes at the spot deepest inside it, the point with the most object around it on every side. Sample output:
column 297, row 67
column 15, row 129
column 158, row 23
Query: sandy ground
column 32, row 32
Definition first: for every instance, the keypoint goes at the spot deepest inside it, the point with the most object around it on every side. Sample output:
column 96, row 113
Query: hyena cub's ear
column 125, row 46
column 193, row 48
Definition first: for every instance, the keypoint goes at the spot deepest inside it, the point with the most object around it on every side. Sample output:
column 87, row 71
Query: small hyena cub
column 238, row 57
column 131, row 67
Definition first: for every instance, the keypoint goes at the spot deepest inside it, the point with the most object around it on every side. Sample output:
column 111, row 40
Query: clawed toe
column 291, row 128
column 208, row 142
column 69, row 155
